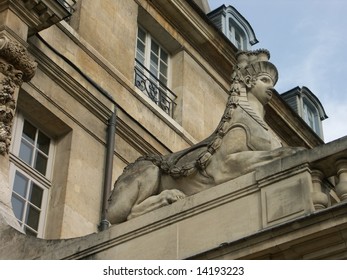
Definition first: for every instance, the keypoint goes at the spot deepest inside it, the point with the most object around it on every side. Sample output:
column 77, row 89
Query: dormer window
column 234, row 26
column 308, row 107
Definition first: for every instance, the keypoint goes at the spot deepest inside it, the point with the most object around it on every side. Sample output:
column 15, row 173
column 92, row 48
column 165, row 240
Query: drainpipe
column 111, row 134
column 110, row 144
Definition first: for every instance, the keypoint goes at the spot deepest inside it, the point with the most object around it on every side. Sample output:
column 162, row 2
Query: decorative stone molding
column 15, row 68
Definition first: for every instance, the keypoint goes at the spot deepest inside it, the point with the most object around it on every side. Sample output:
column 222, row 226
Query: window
column 238, row 40
column 311, row 116
column 31, row 160
column 236, row 36
column 152, row 71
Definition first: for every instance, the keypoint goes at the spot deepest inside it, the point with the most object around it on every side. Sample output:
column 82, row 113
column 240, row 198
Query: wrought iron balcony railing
column 68, row 5
column 157, row 91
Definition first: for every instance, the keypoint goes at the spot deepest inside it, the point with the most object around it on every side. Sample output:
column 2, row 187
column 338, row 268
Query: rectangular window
column 34, row 148
column 311, row 116
column 27, row 202
column 152, row 71
column 31, row 161
column 236, row 36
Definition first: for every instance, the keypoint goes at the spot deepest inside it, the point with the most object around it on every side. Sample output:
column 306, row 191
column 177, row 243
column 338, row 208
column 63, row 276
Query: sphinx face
column 263, row 88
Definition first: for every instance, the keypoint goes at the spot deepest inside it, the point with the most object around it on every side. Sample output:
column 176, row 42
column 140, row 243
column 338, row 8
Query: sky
column 307, row 42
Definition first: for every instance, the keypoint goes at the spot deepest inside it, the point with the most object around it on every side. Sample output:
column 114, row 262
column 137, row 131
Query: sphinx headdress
column 255, row 63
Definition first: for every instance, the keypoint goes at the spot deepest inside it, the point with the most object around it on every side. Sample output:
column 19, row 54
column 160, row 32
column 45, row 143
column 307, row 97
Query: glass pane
column 29, row 132
column 43, row 142
column 26, row 152
column 140, row 47
column 141, row 59
column 163, row 80
column 140, row 53
column 33, row 216
column 17, row 206
column 164, row 56
column 154, row 71
column 36, row 195
column 29, row 231
column 141, row 34
column 163, row 69
column 20, row 184
column 41, row 163
column 154, row 60
column 155, row 48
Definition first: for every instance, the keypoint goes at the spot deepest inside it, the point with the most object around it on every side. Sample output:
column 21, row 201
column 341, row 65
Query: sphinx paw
column 171, row 196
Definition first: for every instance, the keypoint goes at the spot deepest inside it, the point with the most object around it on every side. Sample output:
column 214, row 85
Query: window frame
column 233, row 31
column 147, row 56
column 151, row 82
column 44, row 201
column 29, row 172
column 309, row 110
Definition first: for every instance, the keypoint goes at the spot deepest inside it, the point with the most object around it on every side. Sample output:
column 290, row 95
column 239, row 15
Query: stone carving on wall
column 15, row 68
column 241, row 142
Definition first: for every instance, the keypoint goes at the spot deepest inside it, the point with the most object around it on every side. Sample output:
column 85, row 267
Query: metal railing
column 158, row 92
column 68, row 5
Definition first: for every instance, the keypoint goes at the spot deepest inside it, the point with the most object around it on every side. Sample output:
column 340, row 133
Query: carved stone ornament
column 240, row 143
column 15, row 68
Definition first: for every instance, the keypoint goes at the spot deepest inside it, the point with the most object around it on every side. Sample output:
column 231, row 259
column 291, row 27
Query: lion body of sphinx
column 161, row 180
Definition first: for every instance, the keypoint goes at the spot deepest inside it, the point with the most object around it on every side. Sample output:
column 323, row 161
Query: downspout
column 110, row 141
column 110, row 145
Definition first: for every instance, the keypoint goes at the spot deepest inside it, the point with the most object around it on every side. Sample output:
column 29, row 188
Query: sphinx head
column 255, row 75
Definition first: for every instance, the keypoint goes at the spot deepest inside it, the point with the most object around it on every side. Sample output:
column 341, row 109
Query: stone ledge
column 295, row 239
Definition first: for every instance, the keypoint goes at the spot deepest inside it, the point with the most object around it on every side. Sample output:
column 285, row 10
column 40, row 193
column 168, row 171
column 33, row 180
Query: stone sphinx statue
column 241, row 142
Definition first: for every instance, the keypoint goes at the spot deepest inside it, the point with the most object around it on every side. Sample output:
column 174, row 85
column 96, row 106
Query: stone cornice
column 37, row 14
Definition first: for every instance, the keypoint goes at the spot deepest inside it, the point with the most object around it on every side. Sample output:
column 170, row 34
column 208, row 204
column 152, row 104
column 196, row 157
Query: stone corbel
column 16, row 67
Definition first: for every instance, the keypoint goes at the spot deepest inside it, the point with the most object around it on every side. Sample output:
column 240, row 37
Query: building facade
column 119, row 79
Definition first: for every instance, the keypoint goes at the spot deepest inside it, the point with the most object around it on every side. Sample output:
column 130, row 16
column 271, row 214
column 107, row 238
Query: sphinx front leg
column 164, row 198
